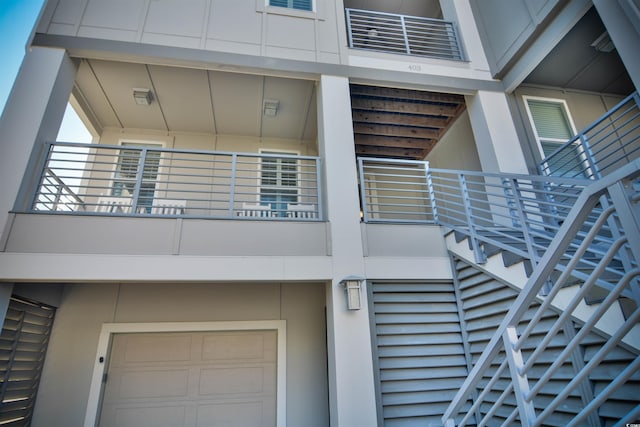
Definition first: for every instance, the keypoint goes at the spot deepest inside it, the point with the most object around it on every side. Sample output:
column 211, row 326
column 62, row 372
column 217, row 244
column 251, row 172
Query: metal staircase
column 593, row 250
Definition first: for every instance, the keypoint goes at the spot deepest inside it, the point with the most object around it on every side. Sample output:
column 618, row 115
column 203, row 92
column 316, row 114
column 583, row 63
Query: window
column 126, row 175
column 278, row 183
column 553, row 127
column 293, row 4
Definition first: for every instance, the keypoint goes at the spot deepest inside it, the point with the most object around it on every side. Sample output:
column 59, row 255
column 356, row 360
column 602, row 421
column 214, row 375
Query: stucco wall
column 457, row 149
column 62, row 397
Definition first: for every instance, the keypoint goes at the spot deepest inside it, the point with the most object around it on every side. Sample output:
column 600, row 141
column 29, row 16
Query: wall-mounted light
column 603, row 43
column 353, row 288
column 270, row 107
column 142, row 96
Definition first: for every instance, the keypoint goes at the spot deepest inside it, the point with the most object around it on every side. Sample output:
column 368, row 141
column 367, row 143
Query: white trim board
column 108, row 329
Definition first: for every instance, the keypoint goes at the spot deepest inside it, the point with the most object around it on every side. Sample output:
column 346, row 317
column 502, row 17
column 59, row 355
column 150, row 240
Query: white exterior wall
column 241, row 26
column 62, row 396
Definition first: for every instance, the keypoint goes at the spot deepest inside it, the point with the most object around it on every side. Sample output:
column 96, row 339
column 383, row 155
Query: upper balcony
column 146, row 181
column 405, row 29
column 402, row 34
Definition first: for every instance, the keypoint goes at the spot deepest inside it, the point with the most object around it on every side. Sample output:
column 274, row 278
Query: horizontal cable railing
column 588, row 352
column 149, row 181
column 603, row 147
column 410, row 35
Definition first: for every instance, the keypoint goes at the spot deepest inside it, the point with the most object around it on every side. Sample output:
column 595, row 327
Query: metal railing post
column 41, row 167
column 232, row 184
column 319, row 192
column 405, row 35
column 588, row 153
column 432, row 193
column 479, row 254
column 363, row 191
column 349, row 34
column 519, row 381
column 139, row 178
column 520, row 221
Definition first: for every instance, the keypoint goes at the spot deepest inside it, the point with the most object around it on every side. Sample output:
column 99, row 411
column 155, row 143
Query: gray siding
column 419, row 349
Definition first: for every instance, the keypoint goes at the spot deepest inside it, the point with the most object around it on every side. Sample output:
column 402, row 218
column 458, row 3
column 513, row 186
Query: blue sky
column 17, row 19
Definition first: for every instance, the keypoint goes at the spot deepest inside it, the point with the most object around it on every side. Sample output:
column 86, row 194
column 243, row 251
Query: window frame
column 312, row 4
column 278, row 188
column 136, row 144
column 569, row 122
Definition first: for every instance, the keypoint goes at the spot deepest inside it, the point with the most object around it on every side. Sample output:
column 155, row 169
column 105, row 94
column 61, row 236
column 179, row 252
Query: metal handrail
column 520, row 214
column 608, row 143
column 409, row 35
column 505, row 344
column 100, row 179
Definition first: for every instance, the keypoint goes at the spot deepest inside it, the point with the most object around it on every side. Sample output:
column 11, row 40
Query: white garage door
column 194, row 379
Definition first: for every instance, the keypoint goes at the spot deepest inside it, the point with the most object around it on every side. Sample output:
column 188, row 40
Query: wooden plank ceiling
column 401, row 123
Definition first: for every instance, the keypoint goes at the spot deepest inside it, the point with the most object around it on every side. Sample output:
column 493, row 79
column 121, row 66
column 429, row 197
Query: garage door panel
column 149, row 416
column 238, row 380
column 241, row 414
column 149, row 348
column 233, row 346
column 154, row 384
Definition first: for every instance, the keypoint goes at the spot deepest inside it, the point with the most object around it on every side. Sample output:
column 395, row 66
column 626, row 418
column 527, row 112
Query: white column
column 619, row 23
column 32, row 115
column 351, row 383
column 495, row 134
column 459, row 12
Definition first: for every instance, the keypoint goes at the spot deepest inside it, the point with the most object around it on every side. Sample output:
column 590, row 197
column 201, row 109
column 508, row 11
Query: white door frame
column 108, row 329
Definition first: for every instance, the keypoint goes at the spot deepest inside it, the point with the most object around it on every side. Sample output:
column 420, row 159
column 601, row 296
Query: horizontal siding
column 420, row 356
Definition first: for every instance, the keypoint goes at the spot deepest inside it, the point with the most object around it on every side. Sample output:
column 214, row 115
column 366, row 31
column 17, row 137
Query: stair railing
column 532, row 393
column 608, row 143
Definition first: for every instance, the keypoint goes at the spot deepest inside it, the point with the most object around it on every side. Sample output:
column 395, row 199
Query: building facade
column 263, row 231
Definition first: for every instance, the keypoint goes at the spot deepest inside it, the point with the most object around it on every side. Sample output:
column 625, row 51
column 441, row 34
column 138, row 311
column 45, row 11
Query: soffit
column 196, row 100
column 401, row 123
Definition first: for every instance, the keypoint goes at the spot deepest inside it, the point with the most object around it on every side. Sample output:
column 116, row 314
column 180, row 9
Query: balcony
column 136, row 181
column 402, row 34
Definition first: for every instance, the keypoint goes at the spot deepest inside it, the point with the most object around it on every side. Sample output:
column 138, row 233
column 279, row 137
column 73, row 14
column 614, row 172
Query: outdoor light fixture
column 603, row 43
column 142, row 96
column 353, row 288
column 270, row 107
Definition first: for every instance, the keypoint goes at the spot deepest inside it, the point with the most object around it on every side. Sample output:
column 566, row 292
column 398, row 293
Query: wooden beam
column 391, row 152
column 406, row 94
column 399, row 119
column 389, row 130
column 384, row 141
column 403, row 107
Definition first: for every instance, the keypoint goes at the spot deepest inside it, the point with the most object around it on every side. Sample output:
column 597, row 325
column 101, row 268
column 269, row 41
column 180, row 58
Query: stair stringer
column 515, row 275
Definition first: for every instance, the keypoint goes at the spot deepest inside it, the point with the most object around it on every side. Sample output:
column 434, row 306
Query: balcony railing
column 410, row 35
column 146, row 181
column 609, row 143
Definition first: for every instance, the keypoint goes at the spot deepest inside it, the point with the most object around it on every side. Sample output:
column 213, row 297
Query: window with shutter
column 552, row 126
column 126, row 175
column 23, row 344
column 278, row 183
column 293, row 4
